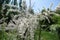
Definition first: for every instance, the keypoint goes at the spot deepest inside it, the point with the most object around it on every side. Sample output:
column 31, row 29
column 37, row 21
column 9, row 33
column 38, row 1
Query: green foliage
column 54, row 26
column 3, row 35
column 58, row 11
column 53, row 33
column 11, row 35
column 48, row 36
column 39, row 34
column 43, row 11
column 56, row 19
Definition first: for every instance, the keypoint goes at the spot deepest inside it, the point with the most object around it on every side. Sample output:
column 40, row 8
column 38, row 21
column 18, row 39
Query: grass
column 46, row 35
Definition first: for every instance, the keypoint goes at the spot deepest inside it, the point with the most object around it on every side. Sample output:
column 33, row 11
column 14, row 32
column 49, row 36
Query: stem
column 40, row 32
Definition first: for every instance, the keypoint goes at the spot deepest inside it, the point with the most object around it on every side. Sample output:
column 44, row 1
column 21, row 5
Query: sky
column 38, row 5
